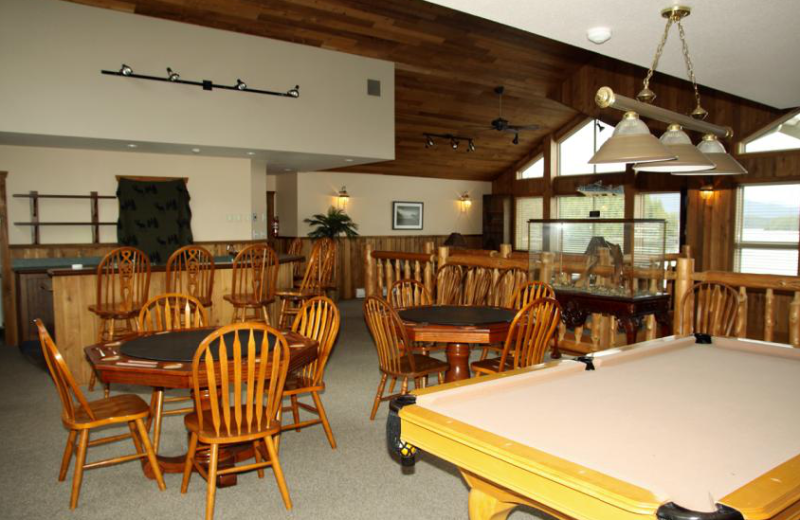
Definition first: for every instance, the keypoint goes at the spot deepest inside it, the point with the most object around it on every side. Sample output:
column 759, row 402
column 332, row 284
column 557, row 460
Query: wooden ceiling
column 447, row 66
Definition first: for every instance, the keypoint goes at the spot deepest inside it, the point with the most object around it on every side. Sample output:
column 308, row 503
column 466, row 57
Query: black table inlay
column 181, row 346
column 459, row 316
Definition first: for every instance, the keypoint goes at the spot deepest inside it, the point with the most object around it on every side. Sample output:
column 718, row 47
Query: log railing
column 383, row 268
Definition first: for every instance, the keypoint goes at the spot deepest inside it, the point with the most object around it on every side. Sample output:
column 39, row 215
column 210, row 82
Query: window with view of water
column 578, row 207
column 666, row 206
column 767, row 229
column 579, row 146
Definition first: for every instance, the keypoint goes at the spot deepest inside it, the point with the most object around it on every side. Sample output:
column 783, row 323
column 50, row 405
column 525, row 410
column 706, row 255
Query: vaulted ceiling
column 448, row 64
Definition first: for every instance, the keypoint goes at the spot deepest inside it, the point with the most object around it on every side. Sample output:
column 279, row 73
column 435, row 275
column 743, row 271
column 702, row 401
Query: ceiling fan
column 503, row 125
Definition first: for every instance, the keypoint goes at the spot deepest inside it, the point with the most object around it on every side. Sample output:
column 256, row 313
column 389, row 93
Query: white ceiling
column 747, row 48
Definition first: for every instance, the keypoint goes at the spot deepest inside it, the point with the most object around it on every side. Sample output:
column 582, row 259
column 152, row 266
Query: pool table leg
column 458, row 357
column 487, row 502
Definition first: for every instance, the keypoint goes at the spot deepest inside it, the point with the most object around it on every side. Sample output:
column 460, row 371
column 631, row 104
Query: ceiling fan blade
column 517, row 128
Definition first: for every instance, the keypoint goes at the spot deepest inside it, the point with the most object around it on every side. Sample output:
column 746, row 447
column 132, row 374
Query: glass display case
column 602, row 257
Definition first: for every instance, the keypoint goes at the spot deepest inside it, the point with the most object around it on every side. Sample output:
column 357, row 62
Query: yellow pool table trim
column 540, row 479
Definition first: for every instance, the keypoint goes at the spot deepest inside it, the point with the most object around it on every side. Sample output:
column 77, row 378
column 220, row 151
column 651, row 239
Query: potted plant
column 331, row 225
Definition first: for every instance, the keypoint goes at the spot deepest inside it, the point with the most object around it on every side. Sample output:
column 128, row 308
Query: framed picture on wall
column 407, row 215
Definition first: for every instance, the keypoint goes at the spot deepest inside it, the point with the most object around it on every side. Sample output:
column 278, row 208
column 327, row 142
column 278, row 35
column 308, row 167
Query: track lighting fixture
column 516, row 139
column 455, row 141
column 174, row 77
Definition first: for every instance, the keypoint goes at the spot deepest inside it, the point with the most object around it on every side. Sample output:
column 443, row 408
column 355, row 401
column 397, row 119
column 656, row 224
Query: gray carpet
column 359, row 480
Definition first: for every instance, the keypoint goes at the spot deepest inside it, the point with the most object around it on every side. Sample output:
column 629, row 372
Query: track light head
column 516, row 139
column 429, row 142
column 240, row 85
column 294, row 92
column 471, row 146
column 172, row 75
column 454, row 143
column 125, row 70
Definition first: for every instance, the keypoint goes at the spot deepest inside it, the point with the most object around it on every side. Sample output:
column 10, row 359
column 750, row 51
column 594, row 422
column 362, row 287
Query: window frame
column 572, row 131
column 539, row 157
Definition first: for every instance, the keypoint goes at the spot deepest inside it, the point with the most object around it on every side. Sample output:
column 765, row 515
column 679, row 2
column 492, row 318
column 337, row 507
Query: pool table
column 674, row 428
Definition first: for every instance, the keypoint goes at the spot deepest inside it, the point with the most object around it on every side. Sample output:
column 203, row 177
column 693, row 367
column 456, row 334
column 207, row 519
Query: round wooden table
column 458, row 326
column 130, row 361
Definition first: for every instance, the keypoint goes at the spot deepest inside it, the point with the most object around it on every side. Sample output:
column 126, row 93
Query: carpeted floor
column 359, row 480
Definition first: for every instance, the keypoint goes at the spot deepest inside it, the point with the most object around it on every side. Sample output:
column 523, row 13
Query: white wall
column 371, row 197
column 52, row 52
column 258, row 198
column 220, row 190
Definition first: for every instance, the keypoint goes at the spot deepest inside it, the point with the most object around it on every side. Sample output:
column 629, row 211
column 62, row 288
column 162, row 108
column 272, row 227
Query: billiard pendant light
column 724, row 163
column 688, row 158
column 632, row 142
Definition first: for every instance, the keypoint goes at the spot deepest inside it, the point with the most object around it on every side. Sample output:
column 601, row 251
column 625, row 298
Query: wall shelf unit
column 36, row 224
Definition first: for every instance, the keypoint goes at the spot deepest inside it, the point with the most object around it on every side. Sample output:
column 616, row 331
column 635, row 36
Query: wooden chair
column 317, row 319
column 477, row 284
column 408, row 293
column 506, row 287
column 255, row 274
column 171, row 311
column 82, row 416
column 709, row 308
column 190, row 270
column 394, row 360
column 449, row 284
column 328, row 264
column 310, row 286
column 296, row 249
column 123, row 285
column 528, row 338
column 223, row 417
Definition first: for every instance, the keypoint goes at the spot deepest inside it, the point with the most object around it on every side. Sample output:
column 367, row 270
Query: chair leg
column 151, row 456
column 80, row 460
column 187, row 466
column 265, row 314
column 276, row 467
column 484, row 353
column 67, row 455
column 378, row 396
column 106, row 390
column 257, row 455
column 92, row 380
column 404, row 386
column 295, row 411
column 441, row 377
column 391, row 384
column 135, row 437
column 212, row 481
column 324, row 418
column 282, row 319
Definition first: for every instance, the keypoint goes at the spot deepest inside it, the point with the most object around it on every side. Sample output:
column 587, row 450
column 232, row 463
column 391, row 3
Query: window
column 578, row 207
column 665, row 206
column 533, row 170
column 767, row 223
column 526, row 209
column 579, row 146
column 784, row 136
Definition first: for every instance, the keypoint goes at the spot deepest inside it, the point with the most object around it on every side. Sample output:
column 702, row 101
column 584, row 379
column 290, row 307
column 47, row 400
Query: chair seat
column 424, row 364
column 115, row 409
column 119, row 310
column 246, row 300
column 299, row 294
column 492, row 365
column 209, row 435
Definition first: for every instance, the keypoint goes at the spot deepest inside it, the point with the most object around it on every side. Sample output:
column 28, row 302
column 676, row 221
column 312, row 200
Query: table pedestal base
column 228, row 456
column 458, row 357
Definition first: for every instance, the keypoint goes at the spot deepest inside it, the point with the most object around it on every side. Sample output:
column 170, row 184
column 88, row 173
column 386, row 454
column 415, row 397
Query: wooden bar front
column 76, row 327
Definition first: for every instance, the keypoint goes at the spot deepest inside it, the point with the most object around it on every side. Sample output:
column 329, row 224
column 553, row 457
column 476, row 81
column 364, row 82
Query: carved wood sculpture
column 593, row 257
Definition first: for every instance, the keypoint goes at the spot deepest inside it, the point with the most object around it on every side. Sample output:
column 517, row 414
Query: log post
column 505, row 250
column 444, row 252
column 683, row 282
column 546, row 271
column 769, row 314
column 794, row 321
column 369, row 271
column 427, row 273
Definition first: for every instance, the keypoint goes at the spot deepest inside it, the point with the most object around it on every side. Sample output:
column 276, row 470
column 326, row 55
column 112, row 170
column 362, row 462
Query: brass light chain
column 699, row 112
column 647, row 95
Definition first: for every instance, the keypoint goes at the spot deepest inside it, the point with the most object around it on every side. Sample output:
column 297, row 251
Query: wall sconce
column 464, row 202
column 342, row 198
column 706, row 191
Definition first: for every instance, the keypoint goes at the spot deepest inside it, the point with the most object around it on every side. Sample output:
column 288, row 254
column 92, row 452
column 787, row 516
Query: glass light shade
column 631, row 142
column 688, row 159
column 724, row 163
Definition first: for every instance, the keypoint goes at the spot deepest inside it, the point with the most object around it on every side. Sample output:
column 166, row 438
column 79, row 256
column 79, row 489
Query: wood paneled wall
column 217, row 248
column 350, row 254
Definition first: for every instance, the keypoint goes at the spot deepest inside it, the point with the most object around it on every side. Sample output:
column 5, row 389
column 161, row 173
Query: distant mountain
column 755, row 209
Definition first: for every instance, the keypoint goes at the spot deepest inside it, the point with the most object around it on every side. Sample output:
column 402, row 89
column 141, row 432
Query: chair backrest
column 448, row 285
column 408, row 293
column 532, row 291
column 190, row 270
column 123, row 278
column 318, row 319
column 255, row 272
column 328, row 262
column 257, row 376
column 62, row 377
column 172, row 311
column 388, row 334
column 296, row 249
column 507, row 285
column 709, row 308
column 313, row 273
column 531, row 332
column 477, row 284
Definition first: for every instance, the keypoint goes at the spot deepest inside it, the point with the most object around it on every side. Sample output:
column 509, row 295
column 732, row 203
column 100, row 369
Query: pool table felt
column 690, row 423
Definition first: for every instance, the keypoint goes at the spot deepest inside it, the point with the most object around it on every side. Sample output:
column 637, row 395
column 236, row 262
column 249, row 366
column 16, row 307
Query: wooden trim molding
column 9, row 291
